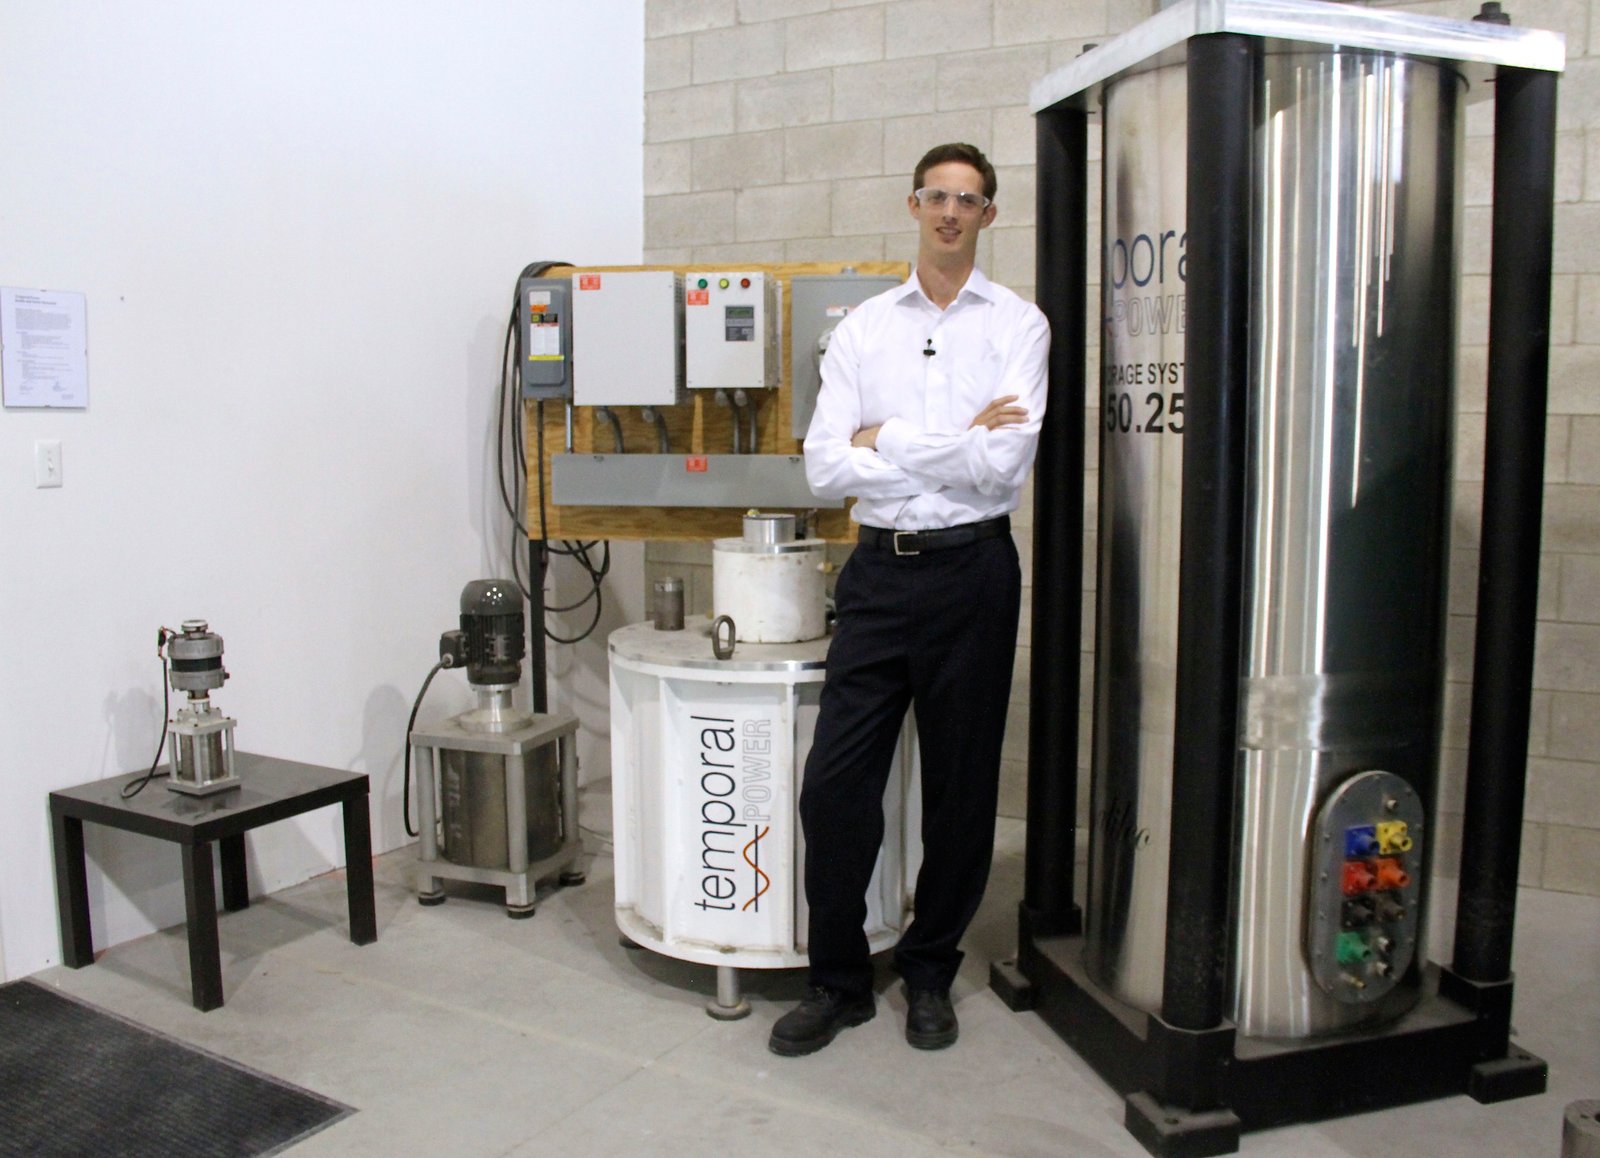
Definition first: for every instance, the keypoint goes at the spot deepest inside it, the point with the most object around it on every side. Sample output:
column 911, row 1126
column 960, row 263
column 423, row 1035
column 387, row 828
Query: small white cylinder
column 773, row 592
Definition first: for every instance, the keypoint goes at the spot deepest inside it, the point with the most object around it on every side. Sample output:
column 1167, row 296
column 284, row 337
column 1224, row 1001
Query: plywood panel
column 697, row 426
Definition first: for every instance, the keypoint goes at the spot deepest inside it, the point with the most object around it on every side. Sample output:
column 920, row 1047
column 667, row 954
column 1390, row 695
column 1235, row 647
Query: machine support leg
column 429, row 889
column 1501, row 1070
column 1047, row 906
column 1513, row 492
column 1221, row 89
column 571, row 837
column 729, row 1005
column 519, row 892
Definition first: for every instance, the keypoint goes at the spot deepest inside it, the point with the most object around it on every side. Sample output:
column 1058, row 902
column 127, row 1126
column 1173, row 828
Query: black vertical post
column 1221, row 83
column 235, row 872
column 200, row 902
column 1513, row 492
column 1060, row 289
column 72, row 889
column 356, row 816
column 537, row 672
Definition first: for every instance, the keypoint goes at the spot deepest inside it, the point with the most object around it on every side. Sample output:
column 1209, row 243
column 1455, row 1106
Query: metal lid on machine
column 1161, row 40
column 767, row 533
column 764, row 528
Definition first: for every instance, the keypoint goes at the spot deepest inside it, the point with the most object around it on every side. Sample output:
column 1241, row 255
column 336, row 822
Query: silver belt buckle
column 897, row 549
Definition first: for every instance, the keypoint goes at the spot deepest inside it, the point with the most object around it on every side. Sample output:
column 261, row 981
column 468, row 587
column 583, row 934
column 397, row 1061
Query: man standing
column 932, row 395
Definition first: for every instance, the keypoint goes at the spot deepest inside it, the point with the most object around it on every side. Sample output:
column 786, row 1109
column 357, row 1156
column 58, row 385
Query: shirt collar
column 976, row 285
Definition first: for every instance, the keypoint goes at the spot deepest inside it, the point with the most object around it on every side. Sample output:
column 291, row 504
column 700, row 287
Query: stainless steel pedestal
column 515, row 747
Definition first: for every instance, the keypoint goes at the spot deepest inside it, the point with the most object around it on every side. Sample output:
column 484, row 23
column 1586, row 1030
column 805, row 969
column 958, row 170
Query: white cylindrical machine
column 706, row 759
column 769, row 582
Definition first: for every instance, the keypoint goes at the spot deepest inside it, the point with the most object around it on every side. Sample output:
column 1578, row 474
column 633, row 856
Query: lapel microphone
column 929, row 351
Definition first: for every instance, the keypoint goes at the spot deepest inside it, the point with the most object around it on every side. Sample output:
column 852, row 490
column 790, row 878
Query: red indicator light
column 744, row 283
column 696, row 464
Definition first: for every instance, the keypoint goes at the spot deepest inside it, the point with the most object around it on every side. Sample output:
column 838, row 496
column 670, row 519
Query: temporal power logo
column 733, row 812
column 1144, row 279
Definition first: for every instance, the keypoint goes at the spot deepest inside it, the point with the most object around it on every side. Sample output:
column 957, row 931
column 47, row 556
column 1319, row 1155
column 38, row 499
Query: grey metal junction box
column 818, row 304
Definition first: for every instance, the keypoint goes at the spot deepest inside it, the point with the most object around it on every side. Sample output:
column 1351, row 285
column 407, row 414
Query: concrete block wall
column 786, row 130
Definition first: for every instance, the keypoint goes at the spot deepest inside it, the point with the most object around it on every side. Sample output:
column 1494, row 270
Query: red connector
column 1358, row 878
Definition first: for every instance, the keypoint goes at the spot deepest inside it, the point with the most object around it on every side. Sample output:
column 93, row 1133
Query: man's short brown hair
column 957, row 151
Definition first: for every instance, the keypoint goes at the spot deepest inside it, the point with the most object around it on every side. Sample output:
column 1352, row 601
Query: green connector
column 1352, row 949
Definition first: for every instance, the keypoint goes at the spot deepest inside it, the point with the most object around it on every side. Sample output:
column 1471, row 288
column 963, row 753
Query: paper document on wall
column 44, row 348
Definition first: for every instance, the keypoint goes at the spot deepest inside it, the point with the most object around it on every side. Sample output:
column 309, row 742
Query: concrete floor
column 461, row 1032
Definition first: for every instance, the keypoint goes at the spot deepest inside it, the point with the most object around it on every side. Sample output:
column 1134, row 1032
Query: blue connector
column 1362, row 840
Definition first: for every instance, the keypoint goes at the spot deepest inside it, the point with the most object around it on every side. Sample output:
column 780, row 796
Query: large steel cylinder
column 1350, row 417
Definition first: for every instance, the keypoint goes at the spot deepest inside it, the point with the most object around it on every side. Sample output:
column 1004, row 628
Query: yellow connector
column 1392, row 837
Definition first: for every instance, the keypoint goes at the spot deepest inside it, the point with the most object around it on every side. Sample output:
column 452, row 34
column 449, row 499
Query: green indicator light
column 702, row 283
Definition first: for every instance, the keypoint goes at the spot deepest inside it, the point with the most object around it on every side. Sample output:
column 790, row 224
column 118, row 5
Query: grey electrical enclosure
column 544, row 336
column 629, row 329
column 672, row 480
column 819, row 303
column 730, row 332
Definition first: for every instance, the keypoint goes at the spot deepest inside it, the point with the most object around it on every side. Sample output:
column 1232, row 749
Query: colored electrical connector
column 1352, row 949
column 1357, row 913
column 1389, row 910
column 1390, row 873
column 1358, row 877
column 1360, row 840
column 1393, row 837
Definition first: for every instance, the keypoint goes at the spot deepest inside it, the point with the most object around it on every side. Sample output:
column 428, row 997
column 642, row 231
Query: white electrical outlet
column 47, row 462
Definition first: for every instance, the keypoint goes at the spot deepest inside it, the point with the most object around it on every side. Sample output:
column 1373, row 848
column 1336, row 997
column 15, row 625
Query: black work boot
column 813, row 1023
column 930, row 1018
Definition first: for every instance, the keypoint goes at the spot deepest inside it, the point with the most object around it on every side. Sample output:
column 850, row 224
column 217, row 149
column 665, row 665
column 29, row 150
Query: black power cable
column 405, row 797
column 135, row 786
column 510, row 408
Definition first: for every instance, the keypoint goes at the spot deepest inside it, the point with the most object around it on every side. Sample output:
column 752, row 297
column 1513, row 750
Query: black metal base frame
column 1193, row 1093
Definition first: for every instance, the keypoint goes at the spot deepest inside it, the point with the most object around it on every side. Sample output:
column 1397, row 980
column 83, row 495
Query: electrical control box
column 544, row 336
column 730, row 331
column 816, row 305
column 627, row 338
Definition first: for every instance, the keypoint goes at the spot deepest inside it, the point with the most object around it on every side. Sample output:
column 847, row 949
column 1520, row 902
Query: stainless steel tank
column 474, row 822
column 1354, row 218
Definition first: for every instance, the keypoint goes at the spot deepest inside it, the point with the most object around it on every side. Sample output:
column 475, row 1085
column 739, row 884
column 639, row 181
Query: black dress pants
column 936, row 631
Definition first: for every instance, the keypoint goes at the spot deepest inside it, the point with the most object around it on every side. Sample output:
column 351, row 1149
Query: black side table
column 270, row 790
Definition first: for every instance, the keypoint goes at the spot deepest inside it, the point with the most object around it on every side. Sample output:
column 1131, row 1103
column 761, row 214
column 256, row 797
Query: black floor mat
column 77, row 1080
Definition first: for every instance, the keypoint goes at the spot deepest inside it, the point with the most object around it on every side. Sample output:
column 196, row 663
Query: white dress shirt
column 931, row 467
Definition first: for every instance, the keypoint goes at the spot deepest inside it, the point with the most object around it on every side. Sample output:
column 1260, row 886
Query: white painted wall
column 297, row 225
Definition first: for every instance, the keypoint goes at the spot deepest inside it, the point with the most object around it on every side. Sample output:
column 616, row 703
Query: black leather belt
column 938, row 539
